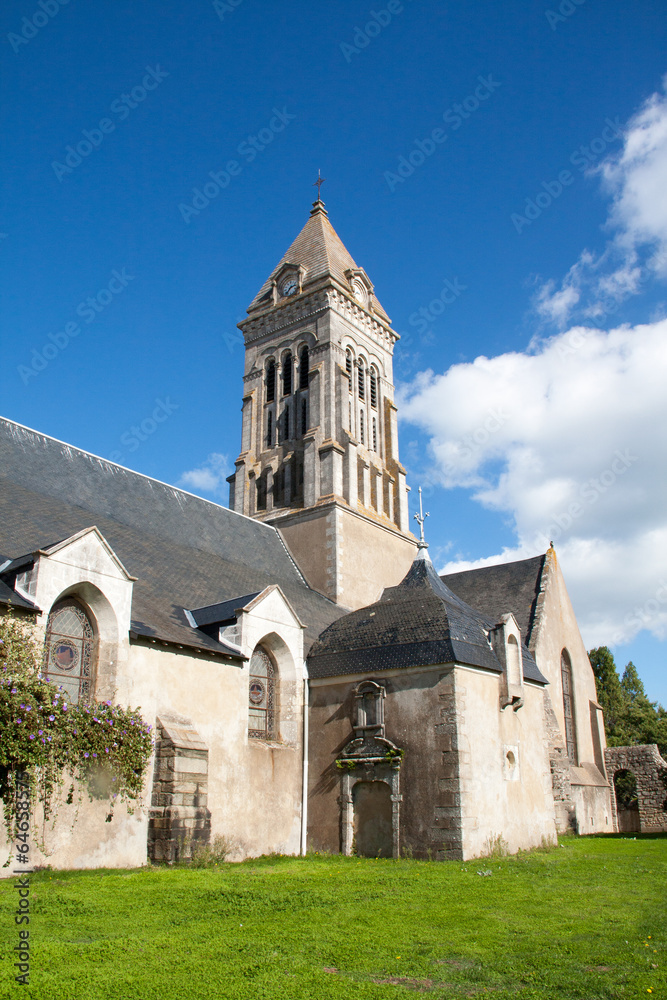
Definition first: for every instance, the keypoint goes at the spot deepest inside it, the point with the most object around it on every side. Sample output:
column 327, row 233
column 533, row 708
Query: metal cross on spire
column 318, row 184
column 420, row 518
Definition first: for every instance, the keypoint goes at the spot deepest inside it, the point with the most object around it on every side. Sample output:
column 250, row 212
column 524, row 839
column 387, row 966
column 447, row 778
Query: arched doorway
column 627, row 801
column 373, row 832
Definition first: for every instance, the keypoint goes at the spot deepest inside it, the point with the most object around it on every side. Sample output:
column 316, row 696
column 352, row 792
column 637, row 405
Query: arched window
column 304, row 417
column 361, row 380
column 375, row 434
column 513, row 661
column 286, row 433
column 304, row 362
column 269, row 430
column 262, row 696
column 348, row 367
column 361, row 427
column 70, row 649
column 287, row 374
column 261, row 492
column 374, row 389
column 270, row 381
column 568, row 705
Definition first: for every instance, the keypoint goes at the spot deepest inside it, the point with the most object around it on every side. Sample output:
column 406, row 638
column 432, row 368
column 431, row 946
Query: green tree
column 630, row 717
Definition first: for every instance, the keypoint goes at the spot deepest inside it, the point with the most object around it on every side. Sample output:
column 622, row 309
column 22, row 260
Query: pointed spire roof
column 319, row 250
column 420, row 622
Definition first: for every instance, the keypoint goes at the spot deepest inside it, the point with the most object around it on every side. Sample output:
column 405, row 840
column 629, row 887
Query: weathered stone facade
column 650, row 771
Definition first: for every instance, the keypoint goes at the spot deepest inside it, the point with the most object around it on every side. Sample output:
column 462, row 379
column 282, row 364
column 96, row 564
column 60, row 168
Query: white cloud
column 570, row 442
column 636, row 180
column 210, row 477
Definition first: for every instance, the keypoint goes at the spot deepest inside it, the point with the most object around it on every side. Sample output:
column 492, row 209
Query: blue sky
column 540, row 198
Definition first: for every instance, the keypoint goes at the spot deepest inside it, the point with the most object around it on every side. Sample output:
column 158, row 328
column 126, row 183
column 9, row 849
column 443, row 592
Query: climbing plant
column 52, row 742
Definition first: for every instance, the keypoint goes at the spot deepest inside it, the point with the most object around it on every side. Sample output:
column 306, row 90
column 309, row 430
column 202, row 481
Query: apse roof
column 320, row 251
column 421, row 622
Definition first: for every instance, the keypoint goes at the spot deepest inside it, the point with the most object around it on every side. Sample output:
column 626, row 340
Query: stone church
column 313, row 683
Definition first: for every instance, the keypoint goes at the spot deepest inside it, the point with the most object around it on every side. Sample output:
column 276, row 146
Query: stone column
column 351, row 484
column 403, row 515
column 331, row 469
column 311, row 478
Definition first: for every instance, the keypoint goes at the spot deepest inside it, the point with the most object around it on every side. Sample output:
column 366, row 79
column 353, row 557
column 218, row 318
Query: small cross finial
column 318, row 184
column 420, row 518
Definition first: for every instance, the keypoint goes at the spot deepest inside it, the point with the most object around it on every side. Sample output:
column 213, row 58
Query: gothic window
column 568, row 705
column 361, row 427
column 361, row 380
column 374, row 389
column 269, row 430
column 261, row 493
column 304, row 362
column 262, row 696
column 287, row 374
column 69, row 654
column 369, row 698
column 304, row 417
column 375, row 434
column 348, row 367
column 270, row 381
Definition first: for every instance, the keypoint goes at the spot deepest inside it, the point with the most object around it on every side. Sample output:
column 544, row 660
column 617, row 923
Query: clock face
column 290, row 286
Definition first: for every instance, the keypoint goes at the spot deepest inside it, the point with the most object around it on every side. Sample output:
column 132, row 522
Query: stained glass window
column 568, row 706
column 262, row 696
column 69, row 654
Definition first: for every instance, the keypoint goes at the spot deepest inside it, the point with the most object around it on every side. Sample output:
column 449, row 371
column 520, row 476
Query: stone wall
column 179, row 817
column 650, row 771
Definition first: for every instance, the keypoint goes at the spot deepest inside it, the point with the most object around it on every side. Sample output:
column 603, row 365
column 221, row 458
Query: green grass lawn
column 585, row 920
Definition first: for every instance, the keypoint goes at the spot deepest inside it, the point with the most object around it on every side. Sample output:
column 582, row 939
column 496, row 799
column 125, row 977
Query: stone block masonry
column 650, row 771
column 179, row 816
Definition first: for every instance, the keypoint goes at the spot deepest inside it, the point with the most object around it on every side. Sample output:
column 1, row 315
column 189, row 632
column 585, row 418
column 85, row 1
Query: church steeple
column 319, row 421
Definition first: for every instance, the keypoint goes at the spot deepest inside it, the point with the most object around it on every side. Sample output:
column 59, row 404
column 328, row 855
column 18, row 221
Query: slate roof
column 185, row 552
column 421, row 622
column 319, row 249
column 497, row 590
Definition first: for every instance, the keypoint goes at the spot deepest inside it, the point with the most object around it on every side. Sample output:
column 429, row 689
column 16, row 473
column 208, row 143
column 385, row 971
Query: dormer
column 361, row 286
column 288, row 281
column 505, row 639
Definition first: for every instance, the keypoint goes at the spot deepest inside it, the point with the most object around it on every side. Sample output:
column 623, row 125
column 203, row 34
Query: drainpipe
column 304, row 788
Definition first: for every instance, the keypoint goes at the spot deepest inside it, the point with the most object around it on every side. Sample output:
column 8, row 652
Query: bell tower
column 319, row 456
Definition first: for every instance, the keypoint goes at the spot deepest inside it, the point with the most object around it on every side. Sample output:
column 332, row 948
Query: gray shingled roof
column 420, row 622
column 185, row 552
column 319, row 249
column 497, row 590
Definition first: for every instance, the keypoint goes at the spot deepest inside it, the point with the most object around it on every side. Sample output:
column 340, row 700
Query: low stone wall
column 650, row 771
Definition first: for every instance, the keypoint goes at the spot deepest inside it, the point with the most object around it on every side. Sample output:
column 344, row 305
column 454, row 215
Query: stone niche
column 179, row 817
